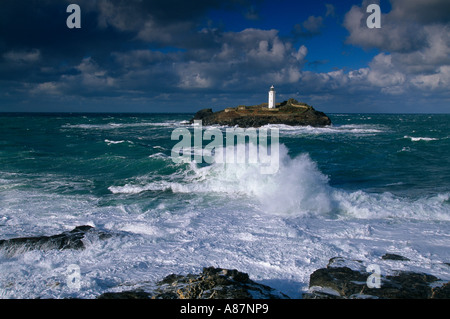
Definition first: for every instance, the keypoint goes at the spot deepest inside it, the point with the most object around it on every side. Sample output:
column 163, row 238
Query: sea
column 367, row 185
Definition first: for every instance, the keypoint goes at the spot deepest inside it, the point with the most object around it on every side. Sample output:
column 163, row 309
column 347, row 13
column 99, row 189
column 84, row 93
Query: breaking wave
column 298, row 188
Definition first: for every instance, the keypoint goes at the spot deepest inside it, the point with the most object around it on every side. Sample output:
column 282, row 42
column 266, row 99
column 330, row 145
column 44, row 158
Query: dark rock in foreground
column 341, row 279
column 66, row 240
column 212, row 283
column 290, row 112
column 338, row 281
column 389, row 256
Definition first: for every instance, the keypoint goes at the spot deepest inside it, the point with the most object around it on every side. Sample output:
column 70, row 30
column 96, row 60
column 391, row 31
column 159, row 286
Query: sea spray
column 236, row 150
column 58, row 172
column 298, row 187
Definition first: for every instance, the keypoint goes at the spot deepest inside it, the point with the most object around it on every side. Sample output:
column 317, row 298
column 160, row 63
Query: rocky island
column 290, row 112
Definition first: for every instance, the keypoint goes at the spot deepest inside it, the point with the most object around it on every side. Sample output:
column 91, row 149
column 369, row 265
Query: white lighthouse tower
column 271, row 98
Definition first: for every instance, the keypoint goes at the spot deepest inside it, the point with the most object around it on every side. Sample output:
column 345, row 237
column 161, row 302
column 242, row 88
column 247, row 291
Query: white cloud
column 23, row 56
column 242, row 59
column 89, row 79
column 414, row 41
column 52, row 88
column 382, row 72
column 300, row 54
column 413, row 57
column 91, row 75
column 393, row 36
column 438, row 80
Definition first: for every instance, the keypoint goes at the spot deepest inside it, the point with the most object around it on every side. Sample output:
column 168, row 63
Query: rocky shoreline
column 349, row 279
column 336, row 281
column 341, row 278
column 211, row 283
column 290, row 112
column 67, row 240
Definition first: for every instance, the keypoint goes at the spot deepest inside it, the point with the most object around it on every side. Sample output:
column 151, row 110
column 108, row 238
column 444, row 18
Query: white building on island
column 271, row 98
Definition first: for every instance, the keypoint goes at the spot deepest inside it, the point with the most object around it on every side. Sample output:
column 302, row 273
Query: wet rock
column 441, row 291
column 389, row 256
column 136, row 294
column 67, row 240
column 338, row 281
column 211, row 283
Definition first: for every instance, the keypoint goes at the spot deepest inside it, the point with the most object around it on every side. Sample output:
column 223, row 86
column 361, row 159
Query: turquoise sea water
column 368, row 184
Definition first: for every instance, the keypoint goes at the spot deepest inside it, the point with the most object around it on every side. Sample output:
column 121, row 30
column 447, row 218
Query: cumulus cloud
column 227, row 62
column 46, row 88
column 393, row 36
column 87, row 78
column 23, row 56
column 153, row 49
column 243, row 58
column 438, row 80
column 382, row 72
column 421, row 11
column 415, row 43
column 310, row 27
column 404, row 29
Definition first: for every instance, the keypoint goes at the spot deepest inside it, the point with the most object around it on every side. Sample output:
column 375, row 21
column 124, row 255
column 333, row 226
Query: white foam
column 278, row 250
column 353, row 129
column 159, row 155
column 109, row 142
column 297, row 189
column 278, row 228
column 417, row 139
column 363, row 205
column 113, row 126
column 136, row 189
column 141, row 228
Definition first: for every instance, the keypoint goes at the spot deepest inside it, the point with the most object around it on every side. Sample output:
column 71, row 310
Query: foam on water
column 356, row 129
column 298, row 188
column 168, row 217
column 110, row 142
column 278, row 250
column 114, row 126
column 417, row 139
column 280, row 246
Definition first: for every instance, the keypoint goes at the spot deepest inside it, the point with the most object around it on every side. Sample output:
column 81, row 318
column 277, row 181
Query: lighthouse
column 271, row 98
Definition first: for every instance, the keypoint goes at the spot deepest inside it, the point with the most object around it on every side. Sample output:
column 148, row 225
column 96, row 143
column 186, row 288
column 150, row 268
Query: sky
column 182, row 56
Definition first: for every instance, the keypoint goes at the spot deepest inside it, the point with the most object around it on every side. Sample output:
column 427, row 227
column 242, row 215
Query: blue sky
column 178, row 56
column 328, row 46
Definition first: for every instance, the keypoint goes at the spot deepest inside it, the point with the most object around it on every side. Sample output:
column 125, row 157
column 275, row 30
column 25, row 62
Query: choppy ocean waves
column 115, row 126
column 279, row 228
column 419, row 138
column 116, row 174
column 356, row 129
column 299, row 188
